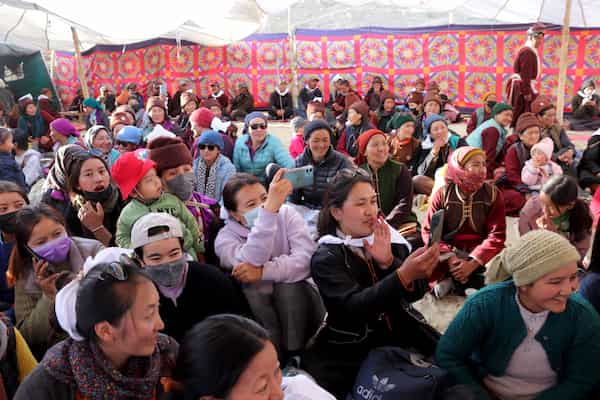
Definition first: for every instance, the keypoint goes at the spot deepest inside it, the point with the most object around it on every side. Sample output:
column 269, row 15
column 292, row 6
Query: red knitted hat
column 363, row 141
column 168, row 153
column 202, row 117
column 130, row 168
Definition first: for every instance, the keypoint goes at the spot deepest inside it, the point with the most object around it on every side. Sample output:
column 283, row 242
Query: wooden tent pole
column 80, row 74
column 293, row 63
column 562, row 71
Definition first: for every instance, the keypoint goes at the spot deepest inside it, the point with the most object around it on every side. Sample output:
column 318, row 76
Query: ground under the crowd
column 439, row 313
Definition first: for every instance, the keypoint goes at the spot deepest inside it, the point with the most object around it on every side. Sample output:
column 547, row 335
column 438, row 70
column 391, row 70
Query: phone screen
column 436, row 227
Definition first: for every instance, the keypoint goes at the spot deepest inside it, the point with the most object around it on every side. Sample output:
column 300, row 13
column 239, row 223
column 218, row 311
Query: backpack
column 391, row 373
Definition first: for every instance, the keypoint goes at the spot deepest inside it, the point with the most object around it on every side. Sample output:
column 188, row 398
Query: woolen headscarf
column 92, row 103
column 535, row 254
column 64, row 158
column 457, row 174
column 363, row 141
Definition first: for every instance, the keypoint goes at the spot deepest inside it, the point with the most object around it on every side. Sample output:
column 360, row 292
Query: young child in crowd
column 540, row 167
column 297, row 144
column 135, row 173
column 9, row 170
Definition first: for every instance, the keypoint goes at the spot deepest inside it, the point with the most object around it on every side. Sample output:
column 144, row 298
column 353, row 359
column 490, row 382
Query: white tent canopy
column 344, row 14
column 46, row 24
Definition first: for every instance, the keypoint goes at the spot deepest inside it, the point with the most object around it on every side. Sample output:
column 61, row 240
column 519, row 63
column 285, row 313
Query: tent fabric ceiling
column 46, row 24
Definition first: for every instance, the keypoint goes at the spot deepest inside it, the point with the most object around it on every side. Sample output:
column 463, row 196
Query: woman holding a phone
column 367, row 280
column 267, row 247
column 42, row 260
column 474, row 224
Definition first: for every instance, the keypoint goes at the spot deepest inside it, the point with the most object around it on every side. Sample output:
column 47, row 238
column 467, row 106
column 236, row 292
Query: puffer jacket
column 324, row 171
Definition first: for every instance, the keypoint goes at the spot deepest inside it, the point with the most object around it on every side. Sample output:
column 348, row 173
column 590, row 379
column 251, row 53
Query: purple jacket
column 279, row 242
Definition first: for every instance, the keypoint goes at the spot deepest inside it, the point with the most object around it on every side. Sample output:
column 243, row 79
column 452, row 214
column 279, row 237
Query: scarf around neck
column 349, row 241
column 287, row 89
column 207, row 186
column 81, row 364
column 217, row 95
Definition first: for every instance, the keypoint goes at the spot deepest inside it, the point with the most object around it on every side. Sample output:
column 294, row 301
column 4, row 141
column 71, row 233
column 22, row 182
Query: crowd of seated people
column 162, row 255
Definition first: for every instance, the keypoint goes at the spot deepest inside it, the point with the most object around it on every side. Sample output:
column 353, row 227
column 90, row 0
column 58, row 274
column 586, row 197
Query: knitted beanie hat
column 360, row 107
column 546, row 146
column 415, row 97
column 499, row 107
column 537, row 253
column 541, row 104
column 432, row 85
column 525, row 121
column 202, row 117
column 129, row 169
column 399, row 119
column 432, row 97
column 363, row 141
column 168, row 153
column 212, row 137
column 315, row 125
column 430, row 120
column 155, row 101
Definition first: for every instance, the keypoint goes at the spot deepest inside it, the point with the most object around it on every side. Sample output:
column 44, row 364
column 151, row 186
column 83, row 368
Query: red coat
column 526, row 65
column 472, row 124
column 513, row 166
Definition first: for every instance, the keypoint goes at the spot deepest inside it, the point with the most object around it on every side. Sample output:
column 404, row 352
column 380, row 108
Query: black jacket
column 354, row 303
column 324, row 171
column 207, row 291
column 306, row 96
column 10, row 171
column 589, row 165
column 278, row 102
column 362, row 315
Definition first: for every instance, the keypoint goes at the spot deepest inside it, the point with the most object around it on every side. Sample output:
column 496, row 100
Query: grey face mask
column 182, row 185
column 167, row 274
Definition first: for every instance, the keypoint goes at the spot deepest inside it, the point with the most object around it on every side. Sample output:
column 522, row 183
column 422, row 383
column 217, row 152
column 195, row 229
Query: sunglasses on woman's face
column 122, row 144
column 258, row 126
column 210, row 147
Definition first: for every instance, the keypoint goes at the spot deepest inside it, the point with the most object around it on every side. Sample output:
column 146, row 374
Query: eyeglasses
column 210, row 147
column 113, row 270
column 121, row 143
column 258, row 126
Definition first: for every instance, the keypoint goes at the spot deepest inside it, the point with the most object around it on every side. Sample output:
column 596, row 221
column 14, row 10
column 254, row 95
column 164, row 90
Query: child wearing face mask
column 135, row 174
column 174, row 167
column 540, row 168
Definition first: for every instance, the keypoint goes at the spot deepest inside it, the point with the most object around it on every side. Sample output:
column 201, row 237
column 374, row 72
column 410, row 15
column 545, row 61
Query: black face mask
column 7, row 222
column 99, row 197
column 491, row 104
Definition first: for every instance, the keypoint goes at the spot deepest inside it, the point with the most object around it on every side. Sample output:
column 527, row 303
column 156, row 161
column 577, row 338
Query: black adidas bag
column 392, row 373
